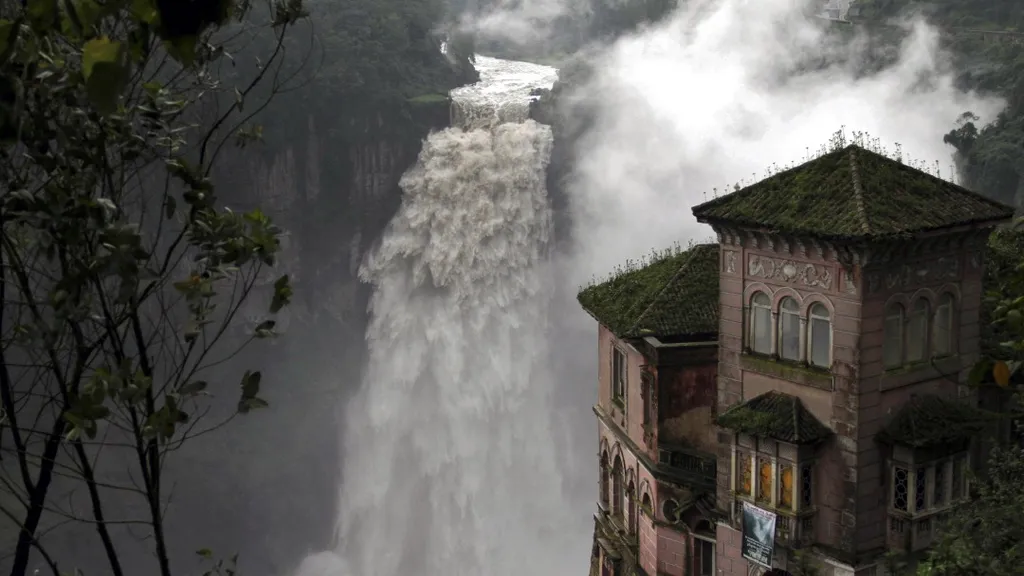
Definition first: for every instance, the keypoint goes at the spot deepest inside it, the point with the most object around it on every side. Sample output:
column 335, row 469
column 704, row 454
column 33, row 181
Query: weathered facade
column 829, row 392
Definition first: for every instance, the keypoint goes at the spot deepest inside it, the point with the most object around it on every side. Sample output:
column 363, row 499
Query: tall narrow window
column 744, row 463
column 703, row 557
column 942, row 328
column 617, row 486
column 764, row 480
column 604, row 479
column 917, row 331
column 820, row 326
column 893, row 347
column 761, row 324
column 958, row 479
column 921, row 489
column 631, row 499
column 900, row 488
column 939, row 486
column 786, row 486
column 789, row 329
column 807, row 485
column 618, row 375
column 647, row 390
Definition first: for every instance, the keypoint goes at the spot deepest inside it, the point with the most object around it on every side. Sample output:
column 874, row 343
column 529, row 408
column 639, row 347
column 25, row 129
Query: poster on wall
column 758, row 535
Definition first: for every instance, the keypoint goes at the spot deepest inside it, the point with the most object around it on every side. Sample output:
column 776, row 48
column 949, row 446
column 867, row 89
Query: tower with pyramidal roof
column 799, row 386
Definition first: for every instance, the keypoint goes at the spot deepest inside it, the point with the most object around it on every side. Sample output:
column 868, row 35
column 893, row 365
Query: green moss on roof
column 675, row 295
column 929, row 420
column 775, row 415
column 852, row 193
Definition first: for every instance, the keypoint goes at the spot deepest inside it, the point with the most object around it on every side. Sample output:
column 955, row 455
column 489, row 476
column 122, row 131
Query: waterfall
column 449, row 461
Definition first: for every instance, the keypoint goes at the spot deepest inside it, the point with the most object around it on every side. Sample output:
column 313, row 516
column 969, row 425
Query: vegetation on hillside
column 121, row 275
column 990, row 156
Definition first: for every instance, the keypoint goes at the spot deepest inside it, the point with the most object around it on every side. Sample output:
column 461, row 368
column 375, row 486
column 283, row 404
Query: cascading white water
column 449, row 458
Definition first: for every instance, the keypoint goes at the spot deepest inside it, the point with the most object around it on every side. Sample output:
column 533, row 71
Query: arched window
column 604, row 479
column 646, row 502
column 942, row 327
column 631, row 506
column 917, row 331
column 892, row 351
column 789, row 329
column 617, row 486
column 761, row 324
column 820, row 337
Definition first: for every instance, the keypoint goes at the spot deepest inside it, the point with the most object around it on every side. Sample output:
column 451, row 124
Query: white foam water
column 449, row 458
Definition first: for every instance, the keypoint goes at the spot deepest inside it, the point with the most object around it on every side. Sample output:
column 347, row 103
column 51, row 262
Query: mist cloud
column 521, row 22
column 720, row 92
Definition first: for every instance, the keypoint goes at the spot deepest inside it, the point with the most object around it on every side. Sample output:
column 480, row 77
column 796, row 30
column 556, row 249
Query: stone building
column 807, row 374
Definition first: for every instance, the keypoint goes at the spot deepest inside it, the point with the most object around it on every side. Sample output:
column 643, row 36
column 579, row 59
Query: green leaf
column 205, row 553
column 8, row 38
column 265, row 329
column 105, row 71
column 99, row 50
column 248, row 404
column 170, row 206
column 193, row 388
column 42, row 14
column 251, row 384
column 146, row 12
column 282, row 294
column 182, row 49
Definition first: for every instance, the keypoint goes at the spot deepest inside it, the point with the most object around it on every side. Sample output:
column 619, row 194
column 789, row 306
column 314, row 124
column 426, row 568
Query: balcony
column 794, row 529
column 914, row 532
column 687, row 465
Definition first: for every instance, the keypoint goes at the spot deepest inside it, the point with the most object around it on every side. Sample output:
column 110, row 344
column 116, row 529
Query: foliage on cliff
column 375, row 65
column 120, row 273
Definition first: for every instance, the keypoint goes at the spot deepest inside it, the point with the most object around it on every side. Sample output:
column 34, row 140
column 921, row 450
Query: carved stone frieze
column 905, row 276
column 849, row 285
column 730, row 261
column 790, row 271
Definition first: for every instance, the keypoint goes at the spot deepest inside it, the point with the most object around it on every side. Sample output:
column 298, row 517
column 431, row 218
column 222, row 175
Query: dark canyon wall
column 327, row 170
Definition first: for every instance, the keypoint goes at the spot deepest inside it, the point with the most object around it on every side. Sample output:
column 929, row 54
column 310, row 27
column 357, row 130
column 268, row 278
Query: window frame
column 618, row 486
column 948, row 301
column 605, row 481
column 895, row 344
column 811, row 330
column 754, row 306
column 949, row 466
column 780, row 328
column 741, row 454
column 620, row 375
column 700, row 540
column 646, row 393
column 918, row 315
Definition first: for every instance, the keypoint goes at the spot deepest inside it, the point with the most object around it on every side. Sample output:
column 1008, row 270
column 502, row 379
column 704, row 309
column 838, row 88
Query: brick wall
column 729, row 560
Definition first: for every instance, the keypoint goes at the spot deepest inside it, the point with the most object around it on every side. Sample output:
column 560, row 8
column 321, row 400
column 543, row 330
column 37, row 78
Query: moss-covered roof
column 852, row 193
column 676, row 295
column 929, row 420
column 775, row 415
